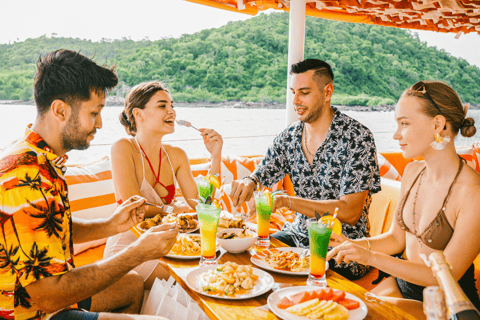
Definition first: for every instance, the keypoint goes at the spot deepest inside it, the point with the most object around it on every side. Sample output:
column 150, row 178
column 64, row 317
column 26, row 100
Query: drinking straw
column 334, row 216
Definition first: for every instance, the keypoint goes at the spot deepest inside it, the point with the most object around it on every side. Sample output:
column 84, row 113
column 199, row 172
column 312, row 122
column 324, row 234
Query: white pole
column 296, row 44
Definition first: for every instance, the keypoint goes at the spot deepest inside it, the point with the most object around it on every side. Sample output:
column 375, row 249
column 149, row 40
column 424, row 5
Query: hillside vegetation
column 247, row 61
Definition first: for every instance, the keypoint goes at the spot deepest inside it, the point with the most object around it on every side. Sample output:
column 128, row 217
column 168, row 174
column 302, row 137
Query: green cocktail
column 208, row 216
column 205, row 188
column 319, row 236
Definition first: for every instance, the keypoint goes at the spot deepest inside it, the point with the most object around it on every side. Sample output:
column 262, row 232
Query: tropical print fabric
column 345, row 163
column 35, row 223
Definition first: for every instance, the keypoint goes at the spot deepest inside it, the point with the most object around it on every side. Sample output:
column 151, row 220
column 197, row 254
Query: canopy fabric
column 434, row 15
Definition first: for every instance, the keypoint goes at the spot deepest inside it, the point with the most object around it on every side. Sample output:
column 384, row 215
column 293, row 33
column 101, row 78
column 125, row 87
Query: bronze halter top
column 439, row 232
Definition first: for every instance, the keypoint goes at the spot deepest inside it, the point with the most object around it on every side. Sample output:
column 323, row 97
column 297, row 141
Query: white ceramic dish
column 273, row 299
column 258, row 261
column 236, row 245
column 263, row 284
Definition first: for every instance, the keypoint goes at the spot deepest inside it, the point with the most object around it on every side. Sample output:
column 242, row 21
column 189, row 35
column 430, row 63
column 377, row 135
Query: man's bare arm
column 349, row 206
column 84, row 282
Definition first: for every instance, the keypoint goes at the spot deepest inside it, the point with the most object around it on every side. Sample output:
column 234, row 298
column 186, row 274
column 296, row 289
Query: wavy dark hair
column 71, row 77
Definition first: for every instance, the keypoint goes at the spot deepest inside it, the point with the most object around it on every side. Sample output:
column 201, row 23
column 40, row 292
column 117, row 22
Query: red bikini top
column 170, row 188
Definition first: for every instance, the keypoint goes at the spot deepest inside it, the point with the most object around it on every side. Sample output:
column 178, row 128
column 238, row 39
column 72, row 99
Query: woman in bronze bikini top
column 439, row 207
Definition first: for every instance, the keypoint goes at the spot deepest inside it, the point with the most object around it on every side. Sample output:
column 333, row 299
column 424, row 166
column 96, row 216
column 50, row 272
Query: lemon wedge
column 214, row 181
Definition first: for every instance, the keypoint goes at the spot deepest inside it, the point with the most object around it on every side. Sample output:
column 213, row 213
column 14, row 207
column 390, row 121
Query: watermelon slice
column 338, row 295
column 284, row 303
column 349, row 304
column 328, row 294
column 309, row 295
column 317, row 294
column 297, row 298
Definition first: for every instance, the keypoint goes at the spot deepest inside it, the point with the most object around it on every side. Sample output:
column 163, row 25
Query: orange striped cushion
column 386, row 169
column 91, row 194
column 470, row 155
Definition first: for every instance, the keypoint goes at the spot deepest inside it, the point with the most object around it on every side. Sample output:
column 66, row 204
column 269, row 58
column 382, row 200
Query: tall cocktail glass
column 319, row 236
column 208, row 216
column 264, row 211
column 205, row 188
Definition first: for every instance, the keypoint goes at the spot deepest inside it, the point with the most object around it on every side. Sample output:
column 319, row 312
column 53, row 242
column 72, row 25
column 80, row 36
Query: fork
column 305, row 253
column 186, row 124
column 165, row 208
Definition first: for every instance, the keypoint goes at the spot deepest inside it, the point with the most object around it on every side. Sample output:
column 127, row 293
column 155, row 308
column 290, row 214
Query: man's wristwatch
column 252, row 178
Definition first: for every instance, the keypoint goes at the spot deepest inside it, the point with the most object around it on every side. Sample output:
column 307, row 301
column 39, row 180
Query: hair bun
column 129, row 126
column 124, row 118
column 468, row 122
column 468, row 127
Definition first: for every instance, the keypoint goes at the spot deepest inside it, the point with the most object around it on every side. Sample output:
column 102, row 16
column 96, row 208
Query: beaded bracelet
column 251, row 179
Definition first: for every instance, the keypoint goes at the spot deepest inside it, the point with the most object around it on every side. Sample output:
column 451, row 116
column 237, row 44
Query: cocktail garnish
column 268, row 196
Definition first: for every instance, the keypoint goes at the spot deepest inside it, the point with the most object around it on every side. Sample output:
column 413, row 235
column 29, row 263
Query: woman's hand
column 349, row 251
column 213, row 141
column 128, row 214
column 336, row 240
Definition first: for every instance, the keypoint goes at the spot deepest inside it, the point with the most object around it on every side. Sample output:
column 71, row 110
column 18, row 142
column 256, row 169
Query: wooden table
column 220, row 309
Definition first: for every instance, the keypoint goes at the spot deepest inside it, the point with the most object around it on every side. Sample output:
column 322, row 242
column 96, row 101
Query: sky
column 152, row 19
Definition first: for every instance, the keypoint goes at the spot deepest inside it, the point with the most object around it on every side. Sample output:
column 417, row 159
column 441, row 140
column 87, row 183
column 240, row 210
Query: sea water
column 244, row 131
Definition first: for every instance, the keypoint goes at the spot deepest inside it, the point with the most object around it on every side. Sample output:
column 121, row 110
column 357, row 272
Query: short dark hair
column 322, row 69
column 69, row 76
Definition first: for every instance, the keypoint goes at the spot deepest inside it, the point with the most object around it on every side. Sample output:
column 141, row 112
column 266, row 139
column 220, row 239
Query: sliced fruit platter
column 326, row 304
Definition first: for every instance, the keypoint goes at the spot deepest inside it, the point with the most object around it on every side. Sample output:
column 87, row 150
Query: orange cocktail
column 208, row 243
column 208, row 216
column 319, row 236
column 264, row 211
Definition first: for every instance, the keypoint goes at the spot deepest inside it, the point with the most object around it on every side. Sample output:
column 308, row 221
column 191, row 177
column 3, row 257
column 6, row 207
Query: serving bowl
column 236, row 245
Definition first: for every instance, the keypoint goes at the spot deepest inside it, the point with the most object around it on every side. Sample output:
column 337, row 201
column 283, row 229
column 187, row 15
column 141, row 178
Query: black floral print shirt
column 345, row 163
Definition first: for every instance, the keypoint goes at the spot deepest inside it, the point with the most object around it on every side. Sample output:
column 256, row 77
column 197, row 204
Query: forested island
column 246, row 61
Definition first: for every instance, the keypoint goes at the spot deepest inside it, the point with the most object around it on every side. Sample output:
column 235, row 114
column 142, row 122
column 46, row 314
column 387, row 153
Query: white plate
column 263, row 284
column 273, row 299
column 180, row 230
column 180, row 257
column 264, row 265
column 191, row 230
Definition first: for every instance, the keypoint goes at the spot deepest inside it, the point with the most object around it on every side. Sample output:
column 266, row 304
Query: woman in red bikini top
column 143, row 165
column 439, row 207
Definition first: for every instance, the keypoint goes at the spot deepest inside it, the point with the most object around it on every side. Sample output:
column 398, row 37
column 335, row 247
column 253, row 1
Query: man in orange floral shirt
column 38, row 279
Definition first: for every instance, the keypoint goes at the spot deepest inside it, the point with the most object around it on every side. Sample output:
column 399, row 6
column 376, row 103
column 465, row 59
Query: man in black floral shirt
column 330, row 158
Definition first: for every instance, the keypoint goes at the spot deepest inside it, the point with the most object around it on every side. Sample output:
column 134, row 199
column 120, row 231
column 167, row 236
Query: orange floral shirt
column 36, row 223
